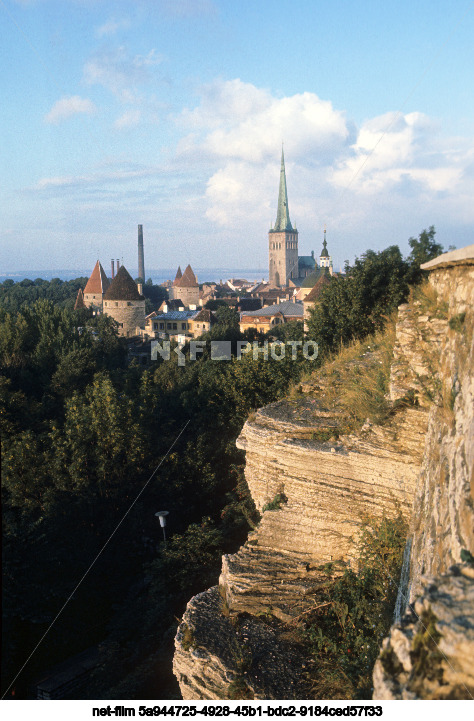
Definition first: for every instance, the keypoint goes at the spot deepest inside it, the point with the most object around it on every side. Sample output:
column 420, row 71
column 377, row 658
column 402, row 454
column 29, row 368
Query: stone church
column 286, row 267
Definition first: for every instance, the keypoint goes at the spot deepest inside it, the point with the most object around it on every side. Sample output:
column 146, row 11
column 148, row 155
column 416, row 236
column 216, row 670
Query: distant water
column 158, row 276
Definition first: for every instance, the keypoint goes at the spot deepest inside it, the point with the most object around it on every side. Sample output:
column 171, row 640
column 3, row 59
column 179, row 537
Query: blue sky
column 171, row 113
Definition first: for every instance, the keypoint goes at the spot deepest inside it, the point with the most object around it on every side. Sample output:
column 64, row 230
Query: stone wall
column 441, row 591
column 93, row 300
column 130, row 314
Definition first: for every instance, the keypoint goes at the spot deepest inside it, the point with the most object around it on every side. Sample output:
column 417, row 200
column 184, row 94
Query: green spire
column 283, row 216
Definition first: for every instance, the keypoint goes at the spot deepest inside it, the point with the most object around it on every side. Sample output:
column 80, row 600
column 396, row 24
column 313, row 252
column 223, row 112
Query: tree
column 358, row 304
column 424, row 248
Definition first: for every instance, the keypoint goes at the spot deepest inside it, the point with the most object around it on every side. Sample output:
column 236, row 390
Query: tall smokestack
column 113, row 268
column 118, row 265
column 141, row 259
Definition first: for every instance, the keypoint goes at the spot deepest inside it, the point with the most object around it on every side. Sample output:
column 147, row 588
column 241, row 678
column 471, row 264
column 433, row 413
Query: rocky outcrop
column 314, row 482
column 218, row 656
column 442, row 525
column 314, row 492
column 430, row 654
column 330, row 485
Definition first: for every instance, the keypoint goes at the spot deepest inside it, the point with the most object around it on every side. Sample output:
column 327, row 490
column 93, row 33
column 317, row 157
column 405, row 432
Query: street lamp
column 162, row 516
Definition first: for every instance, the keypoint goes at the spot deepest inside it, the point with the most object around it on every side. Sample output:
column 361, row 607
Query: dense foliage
column 61, row 292
column 357, row 305
column 88, row 440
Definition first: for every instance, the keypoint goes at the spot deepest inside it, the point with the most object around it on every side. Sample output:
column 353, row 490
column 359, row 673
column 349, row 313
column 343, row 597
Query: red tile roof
column 204, row 316
column 187, row 280
column 98, row 282
column 79, row 300
column 178, row 275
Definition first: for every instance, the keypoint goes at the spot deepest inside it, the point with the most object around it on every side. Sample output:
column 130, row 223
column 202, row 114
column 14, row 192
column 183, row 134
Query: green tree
column 358, row 304
column 423, row 249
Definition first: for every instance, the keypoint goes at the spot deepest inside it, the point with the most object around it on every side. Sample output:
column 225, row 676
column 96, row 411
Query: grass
column 456, row 322
column 238, row 690
column 354, row 383
column 428, row 301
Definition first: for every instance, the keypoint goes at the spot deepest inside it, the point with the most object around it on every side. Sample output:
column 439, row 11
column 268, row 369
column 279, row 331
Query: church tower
column 282, row 239
column 325, row 260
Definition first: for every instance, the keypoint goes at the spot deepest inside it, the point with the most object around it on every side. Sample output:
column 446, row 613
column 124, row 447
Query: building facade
column 267, row 318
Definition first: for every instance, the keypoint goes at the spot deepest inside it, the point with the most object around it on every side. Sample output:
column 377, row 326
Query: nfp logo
column 221, row 350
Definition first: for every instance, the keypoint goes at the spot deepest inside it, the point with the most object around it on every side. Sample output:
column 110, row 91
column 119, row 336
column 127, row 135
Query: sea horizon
column 158, row 275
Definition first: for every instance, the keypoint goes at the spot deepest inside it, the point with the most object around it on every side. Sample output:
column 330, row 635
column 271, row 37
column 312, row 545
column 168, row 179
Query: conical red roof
column 178, row 275
column 98, row 282
column 123, row 287
column 187, row 280
column 79, row 300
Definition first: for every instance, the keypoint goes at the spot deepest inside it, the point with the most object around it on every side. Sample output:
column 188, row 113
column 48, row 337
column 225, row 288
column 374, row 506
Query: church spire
column 324, row 252
column 283, row 216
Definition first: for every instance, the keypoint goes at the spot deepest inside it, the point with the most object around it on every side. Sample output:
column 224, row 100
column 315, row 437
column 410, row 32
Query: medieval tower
column 282, row 239
column 95, row 288
column 124, row 303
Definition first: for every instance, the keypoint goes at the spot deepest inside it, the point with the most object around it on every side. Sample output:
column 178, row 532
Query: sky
column 172, row 114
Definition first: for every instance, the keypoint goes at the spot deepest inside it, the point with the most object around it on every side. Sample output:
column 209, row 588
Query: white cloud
column 111, row 27
column 237, row 120
column 225, row 102
column 120, row 73
column 94, row 179
column 129, row 119
column 370, row 183
column 394, row 149
column 67, row 107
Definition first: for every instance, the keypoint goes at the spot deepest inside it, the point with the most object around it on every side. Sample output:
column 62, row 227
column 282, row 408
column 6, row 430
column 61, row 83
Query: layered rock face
column 319, row 483
column 319, row 492
column 329, row 485
column 443, row 512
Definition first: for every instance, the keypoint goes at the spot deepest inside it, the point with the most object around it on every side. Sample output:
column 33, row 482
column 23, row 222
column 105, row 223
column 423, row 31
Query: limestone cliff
column 443, row 512
column 318, row 479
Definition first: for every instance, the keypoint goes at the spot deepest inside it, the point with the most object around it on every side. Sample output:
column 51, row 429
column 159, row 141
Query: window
column 175, row 326
column 116, row 304
column 169, row 326
column 162, row 326
column 128, row 303
column 183, row 326
column 155, row 326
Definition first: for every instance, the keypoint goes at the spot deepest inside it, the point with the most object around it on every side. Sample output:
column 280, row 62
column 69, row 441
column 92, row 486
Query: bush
column 353, row 614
